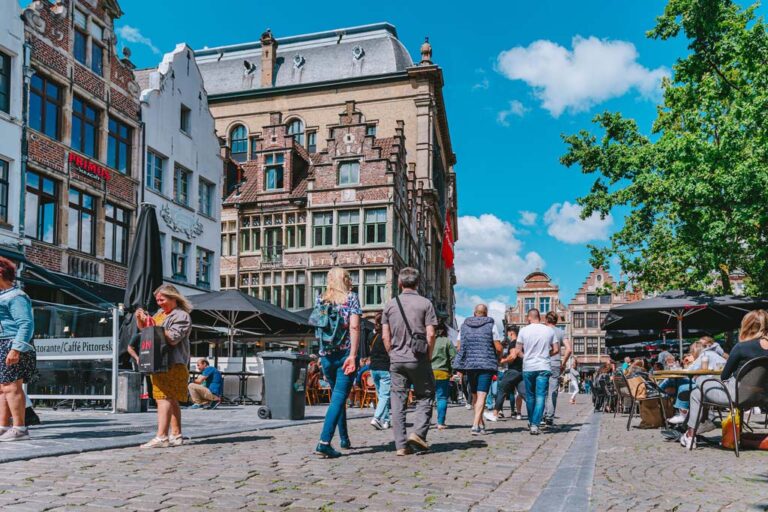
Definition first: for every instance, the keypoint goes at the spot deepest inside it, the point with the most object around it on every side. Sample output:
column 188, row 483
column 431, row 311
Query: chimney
column 268, row 59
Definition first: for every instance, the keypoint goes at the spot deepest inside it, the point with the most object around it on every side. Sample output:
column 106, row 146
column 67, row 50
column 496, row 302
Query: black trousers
column 508, row 383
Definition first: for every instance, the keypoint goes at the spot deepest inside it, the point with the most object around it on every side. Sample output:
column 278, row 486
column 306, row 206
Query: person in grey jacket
column 17, row 353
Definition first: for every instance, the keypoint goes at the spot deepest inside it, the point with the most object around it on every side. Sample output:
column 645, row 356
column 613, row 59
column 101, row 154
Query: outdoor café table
column 682, row 374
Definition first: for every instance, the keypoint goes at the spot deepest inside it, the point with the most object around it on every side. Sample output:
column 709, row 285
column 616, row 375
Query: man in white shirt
column 538, row 344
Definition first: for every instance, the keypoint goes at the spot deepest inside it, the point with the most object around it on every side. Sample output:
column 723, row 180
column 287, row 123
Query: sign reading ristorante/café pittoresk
column 74, row 347
column 88, row 167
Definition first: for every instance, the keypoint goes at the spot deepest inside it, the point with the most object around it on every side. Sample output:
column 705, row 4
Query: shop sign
column 88, row 167
column 74, row 347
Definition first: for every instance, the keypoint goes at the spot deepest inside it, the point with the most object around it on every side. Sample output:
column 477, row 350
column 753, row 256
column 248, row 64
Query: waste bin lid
column 293, row 356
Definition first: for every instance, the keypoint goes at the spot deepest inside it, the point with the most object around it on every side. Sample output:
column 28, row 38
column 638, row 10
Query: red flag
column 447, row 251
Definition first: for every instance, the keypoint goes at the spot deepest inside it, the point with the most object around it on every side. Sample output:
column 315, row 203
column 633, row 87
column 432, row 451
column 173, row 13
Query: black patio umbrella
column 622, row 337
column 239, row 312
column 145, row 273
column 682, row 310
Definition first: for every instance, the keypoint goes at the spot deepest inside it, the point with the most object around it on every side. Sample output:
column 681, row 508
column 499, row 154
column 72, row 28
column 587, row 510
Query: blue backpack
column 329, row 326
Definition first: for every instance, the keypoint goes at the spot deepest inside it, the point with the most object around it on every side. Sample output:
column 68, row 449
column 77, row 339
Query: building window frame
column 185, row 119
column 374, row 286
column 119, row 145
column 322, row 229
column 348, row 227
column 155, row 173
column 4, row 187
column 592, row 343
column 116, row 230
column 85, row 127
column 206, row 192
column 349, row 173
column 529, row 303
column 312, row 141
column 182, row 185
column 375, row 226
column 81, row 214
column 274, row 171
column 44, row 197
column 204, row 269
column 593, row 320
column 49, row 104
column 545, row 305
column 295, row 128
column 319, row 280
column 578, row 319
column 5, row 82
column 179, row 259
column 238, row 143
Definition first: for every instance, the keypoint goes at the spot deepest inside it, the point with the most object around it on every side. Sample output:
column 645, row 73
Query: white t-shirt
column 536, row 341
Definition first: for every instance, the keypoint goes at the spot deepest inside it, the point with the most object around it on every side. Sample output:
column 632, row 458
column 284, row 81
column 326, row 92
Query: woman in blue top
column 17, row 353
column 339, row 357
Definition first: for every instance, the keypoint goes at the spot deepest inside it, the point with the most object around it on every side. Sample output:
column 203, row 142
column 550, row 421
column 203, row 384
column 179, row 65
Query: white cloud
column 488, row 255
column 516, row 109
column 133, row 35
column 565, row 224
column 528, row 218
column 483, row 84
column 466, row 302
column 594, row 71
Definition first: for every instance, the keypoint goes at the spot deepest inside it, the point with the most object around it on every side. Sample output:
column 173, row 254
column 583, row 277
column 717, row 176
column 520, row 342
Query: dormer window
column 296, row 128
column 273, row 171
column 238, row 143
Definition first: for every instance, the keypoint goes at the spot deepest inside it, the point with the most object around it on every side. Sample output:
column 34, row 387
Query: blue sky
column 561, row 63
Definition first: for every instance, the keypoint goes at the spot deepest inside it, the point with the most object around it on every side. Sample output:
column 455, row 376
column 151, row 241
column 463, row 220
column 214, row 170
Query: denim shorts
column 480, row 380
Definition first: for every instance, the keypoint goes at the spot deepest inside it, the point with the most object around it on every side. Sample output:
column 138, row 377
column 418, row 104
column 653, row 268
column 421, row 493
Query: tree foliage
column 697, row 187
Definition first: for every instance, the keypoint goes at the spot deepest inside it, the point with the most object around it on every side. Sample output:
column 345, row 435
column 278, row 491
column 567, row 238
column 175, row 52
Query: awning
column 100, row 295
column 11, row 254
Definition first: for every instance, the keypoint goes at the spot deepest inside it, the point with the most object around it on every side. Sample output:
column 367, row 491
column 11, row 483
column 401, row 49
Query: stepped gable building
column 588, row 309
column 346, row 159
column 83, row 164
column 184, row 170
column 537, row 291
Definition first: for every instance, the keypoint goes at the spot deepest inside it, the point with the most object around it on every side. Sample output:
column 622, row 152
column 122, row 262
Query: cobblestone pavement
column 275, row 469
column 639, row 471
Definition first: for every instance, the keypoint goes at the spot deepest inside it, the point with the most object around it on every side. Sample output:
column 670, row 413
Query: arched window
column 296, row 128
column 238, row 143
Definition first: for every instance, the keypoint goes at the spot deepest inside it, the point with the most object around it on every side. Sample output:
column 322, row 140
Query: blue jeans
column 341, row 385
column 442, row 392
column 383, row 382
column 536, row 387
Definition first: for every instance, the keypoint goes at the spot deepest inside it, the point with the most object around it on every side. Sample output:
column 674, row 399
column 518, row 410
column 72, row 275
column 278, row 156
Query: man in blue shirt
column 206, row 389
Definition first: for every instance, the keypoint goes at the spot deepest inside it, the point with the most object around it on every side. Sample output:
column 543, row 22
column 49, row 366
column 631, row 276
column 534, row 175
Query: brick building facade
column 537, row 291
column 587, row 310
column 83, row 157
column 346, row 160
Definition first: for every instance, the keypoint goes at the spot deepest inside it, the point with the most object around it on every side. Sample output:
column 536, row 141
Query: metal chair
column 751, row 390
column 652, row 392
column 622, row 391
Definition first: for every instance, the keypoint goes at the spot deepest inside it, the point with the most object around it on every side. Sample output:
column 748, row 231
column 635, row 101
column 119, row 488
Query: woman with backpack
column 336, row 318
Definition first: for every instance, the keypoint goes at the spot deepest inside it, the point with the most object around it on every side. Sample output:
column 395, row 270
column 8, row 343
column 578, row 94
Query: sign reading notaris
column 101, row 346
column 89, row 168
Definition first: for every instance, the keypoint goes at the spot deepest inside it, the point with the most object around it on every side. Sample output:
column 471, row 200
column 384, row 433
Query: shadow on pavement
column 228, row 440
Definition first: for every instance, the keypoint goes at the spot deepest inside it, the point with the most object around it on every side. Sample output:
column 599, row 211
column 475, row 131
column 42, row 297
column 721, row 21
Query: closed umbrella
column 145, row 273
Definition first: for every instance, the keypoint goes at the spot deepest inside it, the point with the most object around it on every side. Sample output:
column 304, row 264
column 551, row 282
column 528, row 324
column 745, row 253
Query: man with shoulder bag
column 408, row 329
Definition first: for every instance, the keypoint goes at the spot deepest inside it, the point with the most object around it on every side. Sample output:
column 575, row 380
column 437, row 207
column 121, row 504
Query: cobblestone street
column 506, row 470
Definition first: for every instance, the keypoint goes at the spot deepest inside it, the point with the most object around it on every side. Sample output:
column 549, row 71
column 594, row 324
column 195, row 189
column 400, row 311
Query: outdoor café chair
column 652, row 392
column 751, row 391
column 623, row 394
column 368, row 390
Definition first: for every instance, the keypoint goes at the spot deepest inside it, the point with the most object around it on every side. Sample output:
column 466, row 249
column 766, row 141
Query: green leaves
column 698, row 192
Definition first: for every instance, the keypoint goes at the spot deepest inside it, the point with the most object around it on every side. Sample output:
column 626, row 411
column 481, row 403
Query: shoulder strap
column 402, row 313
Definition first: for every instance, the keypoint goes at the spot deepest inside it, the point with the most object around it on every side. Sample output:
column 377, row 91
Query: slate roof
column 354, row 52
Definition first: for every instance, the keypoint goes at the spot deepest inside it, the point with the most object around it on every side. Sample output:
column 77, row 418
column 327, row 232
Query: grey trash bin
column 129, row 391
column 285, row 379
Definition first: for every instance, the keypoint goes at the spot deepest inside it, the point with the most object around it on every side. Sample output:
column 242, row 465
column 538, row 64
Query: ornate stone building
column 345, row 158
column 83, row 164
column 537, row 291
column 588, row 309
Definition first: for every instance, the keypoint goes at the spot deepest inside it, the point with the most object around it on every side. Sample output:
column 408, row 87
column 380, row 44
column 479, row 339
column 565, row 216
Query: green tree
column 697, row 188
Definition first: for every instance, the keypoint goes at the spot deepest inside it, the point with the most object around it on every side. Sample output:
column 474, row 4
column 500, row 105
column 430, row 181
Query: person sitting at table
column 710, row 345
column 753, row 342
column 206, row 388
column 637, row 366
column 694, row 360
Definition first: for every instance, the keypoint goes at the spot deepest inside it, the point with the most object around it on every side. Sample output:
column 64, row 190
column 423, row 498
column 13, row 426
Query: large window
column 204, row 264
column 591, row 346
column 296, row 128
column 206, row 191
column 45, row 106
column 81, row 43
column 179, row 258
column 374, row 282
column 605, row 299
column 181, row 184
column 349, row 227
column 5, row 82
column 85, row 128
column 578, row 345
column 376, row 226
column 592, row 320
column 295, row 285
column 238, row 143
column 295, row 230
column 530, row 303
column 119, row 145
column 41, row 204
column 578, row 320
column 544, row 305
column 349, row 173
column 322, row 227
column 592, row 298
column 4, row 190
column 229, row 238
column 97, row 58
column 273, row 171
column 318, row 284
column 116, row 233
column 155, row 171
column 82, row 228
column 250, row 233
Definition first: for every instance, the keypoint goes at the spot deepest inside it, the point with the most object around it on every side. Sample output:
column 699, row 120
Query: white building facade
column 183, row 170
column 11, row 84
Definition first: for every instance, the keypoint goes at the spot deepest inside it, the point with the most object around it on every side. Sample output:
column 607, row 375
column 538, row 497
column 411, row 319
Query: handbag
column 153, row 350
column 417, row 341
column 728, row 440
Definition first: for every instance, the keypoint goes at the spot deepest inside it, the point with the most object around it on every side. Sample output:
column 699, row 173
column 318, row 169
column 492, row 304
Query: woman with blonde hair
column 753, row 342
column 169, row 387
column 336, row 318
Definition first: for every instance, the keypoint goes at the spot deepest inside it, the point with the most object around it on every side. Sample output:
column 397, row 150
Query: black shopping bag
column 153, row 351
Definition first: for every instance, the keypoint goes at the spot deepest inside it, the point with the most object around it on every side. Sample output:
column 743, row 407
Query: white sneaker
column 156, row 442
column 488, row 415
column 377, row 424
column 14, row 434
column 519, row 417
column 534, row 430
column 468, row 407
column 176, row 440
column 385, row 425
column 706, row 426
column 687, row 441
column 677, row 419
